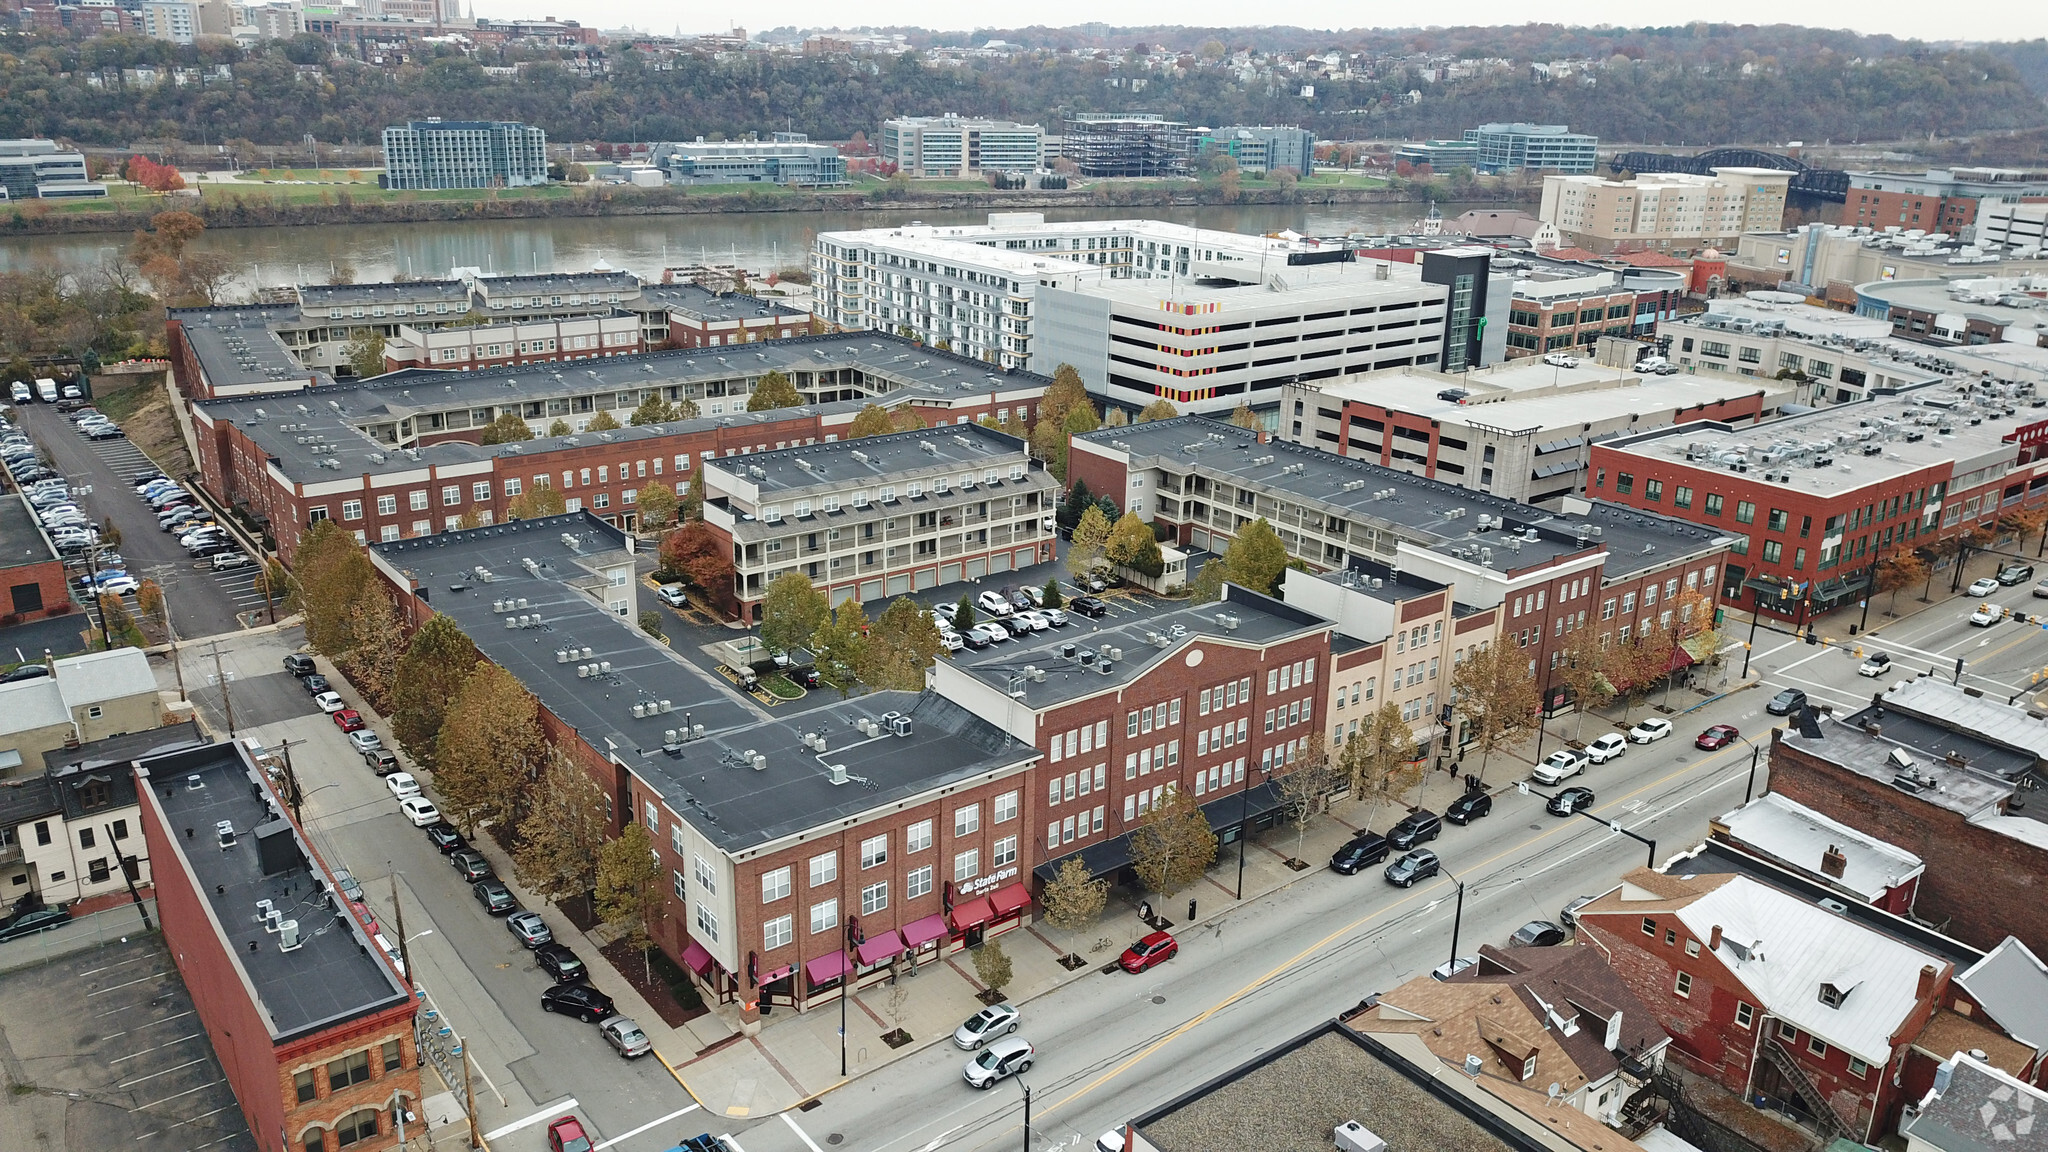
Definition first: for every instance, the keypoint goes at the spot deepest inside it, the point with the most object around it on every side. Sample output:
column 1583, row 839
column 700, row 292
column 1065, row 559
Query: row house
column 472, row 348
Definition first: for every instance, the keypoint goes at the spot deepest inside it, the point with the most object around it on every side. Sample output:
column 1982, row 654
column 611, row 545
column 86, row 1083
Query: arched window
column 360, row 1125
column 315, row 1140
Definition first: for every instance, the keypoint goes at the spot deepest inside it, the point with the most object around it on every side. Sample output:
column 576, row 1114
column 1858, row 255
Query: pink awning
column 696, row 959
column 924, row 931
column 827, row 968
column 876, row 949
column 774, row 974
column 1009, row 899
column 972, row 913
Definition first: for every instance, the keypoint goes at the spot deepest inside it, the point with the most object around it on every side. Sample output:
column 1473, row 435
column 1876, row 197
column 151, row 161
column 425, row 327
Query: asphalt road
column 203, row 602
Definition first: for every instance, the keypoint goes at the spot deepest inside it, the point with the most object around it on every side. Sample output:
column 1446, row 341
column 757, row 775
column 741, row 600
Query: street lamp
column 1243, row 832
column 1612, row 825
column 1457, row 919
column 1027, row 1113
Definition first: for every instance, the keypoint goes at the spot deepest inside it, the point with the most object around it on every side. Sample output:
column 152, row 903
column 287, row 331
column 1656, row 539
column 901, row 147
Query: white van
column 47, row 389
column 21, row 393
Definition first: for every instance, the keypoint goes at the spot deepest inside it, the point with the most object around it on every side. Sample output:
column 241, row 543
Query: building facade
column 788, row 159
column 1665, row 210
column 1127, row 144
column 436, row 154
column 1542, row 147
column 956, row 147
column 1440, row 155
column 1265, row 148
column 86, row 697
column 1937, row 200
column 42, row 169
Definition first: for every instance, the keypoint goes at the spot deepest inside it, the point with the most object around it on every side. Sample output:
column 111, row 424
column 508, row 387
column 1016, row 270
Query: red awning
column 924, row 931
column 774, row 974
column 827, row 968
column 1680, row 658
column 876, row 949
column 1009, row 899
column 696, row 959
column 971, row 914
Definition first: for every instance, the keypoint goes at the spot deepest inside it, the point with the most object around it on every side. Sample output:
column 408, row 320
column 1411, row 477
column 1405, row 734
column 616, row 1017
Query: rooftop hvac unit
column 586, row 651
column 604, row 666
column 1104, row 667
column 1113, row 653
column 224, row 831
column 696, row 731
column 498, row 606
column 759, row 762
column 836, row 773
column 522, row 604
column 511, row 621
column 288, row 936
column 668, row 705
column 900, row 725
column 583, row 671
column 1067, row 651
column 640, row 711
column 266, row 911
column 1355, row 1137
column 561, row 655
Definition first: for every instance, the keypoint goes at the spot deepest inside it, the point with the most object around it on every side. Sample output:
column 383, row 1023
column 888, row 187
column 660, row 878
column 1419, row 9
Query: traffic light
column 1812, row 637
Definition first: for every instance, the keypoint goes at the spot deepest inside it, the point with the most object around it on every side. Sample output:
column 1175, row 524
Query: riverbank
column 224, row 205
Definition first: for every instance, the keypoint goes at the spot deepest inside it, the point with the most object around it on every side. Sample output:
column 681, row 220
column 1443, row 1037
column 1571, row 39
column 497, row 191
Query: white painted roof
column 2011, row 984
column 1980, row 716
column 1800, row 836
column 30, row 704
column 1783, row 949
column 110, row 675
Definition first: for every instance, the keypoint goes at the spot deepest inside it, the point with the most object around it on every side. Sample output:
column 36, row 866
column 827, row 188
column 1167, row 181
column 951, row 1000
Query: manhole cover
column 1159, row 999
column 835, row 1138
column 1535, row 827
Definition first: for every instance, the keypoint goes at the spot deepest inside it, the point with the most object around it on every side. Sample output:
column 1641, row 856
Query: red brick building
column 313, row 1026
column 29, row 570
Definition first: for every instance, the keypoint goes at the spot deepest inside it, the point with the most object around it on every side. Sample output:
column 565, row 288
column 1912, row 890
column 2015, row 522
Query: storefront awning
column 1009, row 898
column 971, row 914
column 774, row 974
column 696, row 959
column 1101, row 858
column 825, row 969
column 922, row 932
column 876, row 949
column 1233, row 805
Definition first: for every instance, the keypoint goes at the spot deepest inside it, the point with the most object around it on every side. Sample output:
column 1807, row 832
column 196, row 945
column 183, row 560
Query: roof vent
column 224, row 831
column 836, row 773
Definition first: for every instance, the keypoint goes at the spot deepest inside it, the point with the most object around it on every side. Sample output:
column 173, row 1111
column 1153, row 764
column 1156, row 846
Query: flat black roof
column 21, row 542
column 334, row 975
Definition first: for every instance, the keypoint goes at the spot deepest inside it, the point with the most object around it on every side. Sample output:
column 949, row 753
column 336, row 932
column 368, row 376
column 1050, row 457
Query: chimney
column 1714, row 944
column 1926, row 988
column 1833, row 862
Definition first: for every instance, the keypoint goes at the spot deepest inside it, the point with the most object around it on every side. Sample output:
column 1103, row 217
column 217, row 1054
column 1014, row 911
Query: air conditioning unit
column 1355, row 1137
column 288, row 936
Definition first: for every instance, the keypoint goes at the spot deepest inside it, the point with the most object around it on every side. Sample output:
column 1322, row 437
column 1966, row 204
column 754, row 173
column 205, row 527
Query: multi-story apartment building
column 471, row 347
column 788, row 158
column 43, row 170
column 174, row 20
column 1665, row 210
column 1559, row 308
column 1440, row 155
column 1816, row 500
column 1937, row 200
column 313, row 1021
column 883, row 515
column 1592, row 563
column 1127, row 144
column 1542, row 147
column 436, row 153
column 1264, row 148
column 1519, row 431
column 955, row 147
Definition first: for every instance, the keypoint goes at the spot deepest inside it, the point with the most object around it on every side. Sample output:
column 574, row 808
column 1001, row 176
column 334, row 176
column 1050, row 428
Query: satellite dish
column 1556, row 1090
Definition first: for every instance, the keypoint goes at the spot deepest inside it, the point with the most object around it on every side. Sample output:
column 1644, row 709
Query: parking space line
column 644, row 1127
column 727, row 1137
column 186, row 1092
column 162, row 1072
column 202, row 1116
column 565, row 1106
column 155, row 1047
column 130, row 983
column 151, row 1024
column 118, row 964
column 800, row 1133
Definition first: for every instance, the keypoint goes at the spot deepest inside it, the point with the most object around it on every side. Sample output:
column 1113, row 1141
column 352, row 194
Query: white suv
column 1606, row 748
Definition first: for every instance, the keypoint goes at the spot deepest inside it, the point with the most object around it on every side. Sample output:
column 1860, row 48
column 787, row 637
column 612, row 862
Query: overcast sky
column 1972, row 19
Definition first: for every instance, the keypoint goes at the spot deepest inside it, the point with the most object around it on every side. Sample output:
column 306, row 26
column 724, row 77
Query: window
column 706, row 878
column 1777, row 520
column 967, row 820
column 918, row 882
column 351, row 509
column 1832, row 996
column 1745, row 1014
column 966, row 865
column 1858, row 1068
column 874, row 851
column 1713, row 505
column 417, row 500
column 1649, row 926
column 357, row 1125
column 707, row 922
column 393, row 1057
column 480, row 491
column 1005, row 852
column 1624, row 483
column 874, row 898
column 1816, row 1046
column 353, row 1068
column 776, row 933
column 387, row 505
column 824, row 916
column 774, row 885
column 451, row 494
column 1684, row 986
column 304, row 1083
column 1786, row 1031
column 1745, row 512
column 1653, row 490
column 1006, row 807
column 1773, row 551
column 918, row 837
column 824, row 869
column 1681, row 497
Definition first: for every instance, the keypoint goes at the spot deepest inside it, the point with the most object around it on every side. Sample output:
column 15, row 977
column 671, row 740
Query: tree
column 1379, row 759
column 1172, row 845
column 536, row 502
column 1073, row 902
column 1901, row 569
column 116, row 624
column 1306, row 785
column 904, row 418
column 692, row 507
column 871, row 420
column 657, row 503
column 332, row 571
column 1243, row 418
column 992, row 965
column 150, row 601
column 1253, row 561
column 2024, row 523
column 773, row 391
column 1497, row 696
column 374, row 642
column 629, row 892
column 963, row 614
column 650, row 623
column 1582, row 671
column 1132, row 545
column 365, row 354
column 559, row 427
column 431, row 672
column 792, row 611
column 562, row 832
column 508, row 428
column 1078, row 500
column 902, row 643
column 1091, row 537
column 602, row 422
column 277, row 586
column 1050, row 597
column 655, row 410
column 1117, row 418
column 490, row 749
column 1160, row 409
column 698, row 555
column 841, row 645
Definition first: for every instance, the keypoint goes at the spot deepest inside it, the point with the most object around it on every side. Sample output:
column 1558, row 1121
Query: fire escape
column 1815, row 1104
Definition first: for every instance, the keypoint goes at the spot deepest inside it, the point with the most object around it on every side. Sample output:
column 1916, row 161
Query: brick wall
column 1979, row 886
column 31, row 590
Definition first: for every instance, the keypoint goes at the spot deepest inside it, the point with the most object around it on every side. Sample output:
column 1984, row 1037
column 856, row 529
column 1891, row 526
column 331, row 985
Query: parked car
column 1005, row 1057
column 348, row 720
column 471, row 864
column 2041, row 589
column 315, row 684
column 365, row 740
column 565, row 1134
column 1536, row 934
column 1875, row 664
column 119, row 585
column 671, row 595
column 1418, row 827
column 1419, row 864
column 420, row 811
column 992, row 1021
column 1984, row 587
column 329, row 702
column 951, row 641
column 1089, row 606
column 1450, row 968
column 1608, row 747
column 35, row 920
column 625, row 1036
column 402, row 784
column 530, row 928
column 1055, row 616
column 1574, row 799
column 1469, row 807
column 1569, row 914
column 558, row 962
column 1559, row 766
column 1717, row 736
column 578, row 1000
column 2013, row 574
column 494, row 896
column 994, row 603
column 974, row 638
column 230, row 558
column 446, row 837
column 1022, row 600
column 1787, row 702
column 300, row 666
column 1361, row 850
column 1155, row 949
column 26, row 672
column 991, row 631
column 1028, row 619
column 381, row 761
column 346, row 881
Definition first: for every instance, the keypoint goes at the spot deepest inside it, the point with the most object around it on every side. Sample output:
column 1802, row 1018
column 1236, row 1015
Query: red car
column 348, row 720
column 566, row 1135
column 1719, row 736
column 1154, row 949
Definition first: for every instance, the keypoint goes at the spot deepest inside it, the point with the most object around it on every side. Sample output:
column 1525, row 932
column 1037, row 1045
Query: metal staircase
column 1810, row 1097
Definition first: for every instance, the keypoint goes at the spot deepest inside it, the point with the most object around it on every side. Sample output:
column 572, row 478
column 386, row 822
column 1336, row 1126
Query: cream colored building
column 1665, row 210
column 88, row 697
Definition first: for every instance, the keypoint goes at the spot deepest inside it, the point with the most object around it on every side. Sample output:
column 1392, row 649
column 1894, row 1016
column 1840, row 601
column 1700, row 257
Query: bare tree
column 1306, row 788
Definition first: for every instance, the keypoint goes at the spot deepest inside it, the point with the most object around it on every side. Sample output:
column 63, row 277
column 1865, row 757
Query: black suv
column 2013, row 574
column 1420, row 827
column 1364, row 848
column 1089, row 606
column 559, row 963
column 1469, row 807
column 578, row 1000
column 299, row 665
column 1787, row 702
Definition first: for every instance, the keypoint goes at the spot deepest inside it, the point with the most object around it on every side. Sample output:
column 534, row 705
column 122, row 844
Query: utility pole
column 1027, row 1117
column 469, row 1095
column 293, row 795
column 127, row 875
column 161, row 572
column 227, row 698
column 404, row 953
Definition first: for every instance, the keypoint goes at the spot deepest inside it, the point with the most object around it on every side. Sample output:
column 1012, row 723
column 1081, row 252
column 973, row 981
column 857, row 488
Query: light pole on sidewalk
column 1457, row 918
column 1243, row 830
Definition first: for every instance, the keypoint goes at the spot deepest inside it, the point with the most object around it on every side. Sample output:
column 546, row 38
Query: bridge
column 1823, row 183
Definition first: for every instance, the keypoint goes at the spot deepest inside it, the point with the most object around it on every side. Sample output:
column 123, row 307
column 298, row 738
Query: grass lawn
column 324, row 175
column 781, row 687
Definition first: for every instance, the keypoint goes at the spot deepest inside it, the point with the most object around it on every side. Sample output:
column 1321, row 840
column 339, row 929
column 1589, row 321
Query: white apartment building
column 1665, row 209
column 2021, row 227
column 954, row 146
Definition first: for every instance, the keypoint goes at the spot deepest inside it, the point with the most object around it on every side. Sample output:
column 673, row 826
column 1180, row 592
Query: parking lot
column 103, row 1050
column 100, row 472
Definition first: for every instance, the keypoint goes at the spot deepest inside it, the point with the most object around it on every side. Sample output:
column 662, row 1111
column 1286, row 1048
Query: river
column 641, row 244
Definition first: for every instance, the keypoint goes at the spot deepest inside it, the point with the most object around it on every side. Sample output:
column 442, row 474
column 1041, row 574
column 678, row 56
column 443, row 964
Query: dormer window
column 1833, row 996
